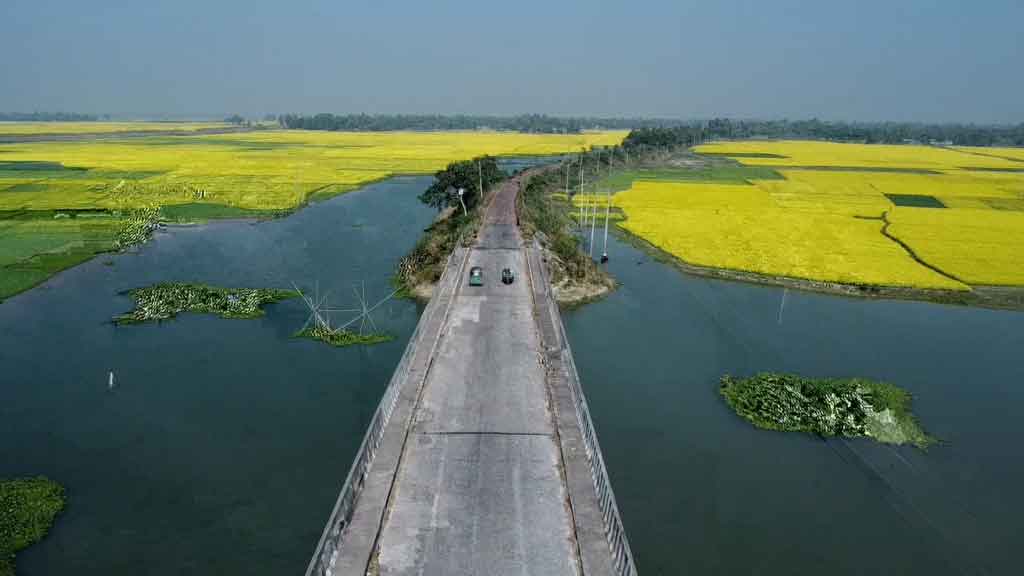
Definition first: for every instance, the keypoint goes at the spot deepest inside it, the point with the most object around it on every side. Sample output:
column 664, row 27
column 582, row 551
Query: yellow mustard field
column 1010, row 153
column 826, row 224
column 271, row 170
column 984, row 247
column 795, row 153
column 742, row 228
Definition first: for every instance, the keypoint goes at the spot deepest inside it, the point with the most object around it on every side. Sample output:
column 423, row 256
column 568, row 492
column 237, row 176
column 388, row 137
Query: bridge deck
column 482, row 467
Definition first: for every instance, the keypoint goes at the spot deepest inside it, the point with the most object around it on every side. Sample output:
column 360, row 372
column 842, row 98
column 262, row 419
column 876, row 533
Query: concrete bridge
column 481, row 458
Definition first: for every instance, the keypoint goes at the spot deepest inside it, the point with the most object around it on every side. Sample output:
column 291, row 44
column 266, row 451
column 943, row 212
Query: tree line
column 48, row 117
column 533, row 123
column 689, row 134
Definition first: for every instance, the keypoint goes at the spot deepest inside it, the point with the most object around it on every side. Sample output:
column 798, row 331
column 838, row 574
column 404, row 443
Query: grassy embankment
column 63, row 202
column 826, row 407
column 420, row 270
column 457, row 223
column 28, row 507
column 544, row 211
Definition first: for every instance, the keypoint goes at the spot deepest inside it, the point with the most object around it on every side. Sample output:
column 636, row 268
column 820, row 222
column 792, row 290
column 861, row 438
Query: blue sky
column 934, row 60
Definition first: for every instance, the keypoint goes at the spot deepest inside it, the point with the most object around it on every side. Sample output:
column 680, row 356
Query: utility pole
column 582, row 223
column 607, row 214
column 461, row 192
column 593, row 224
column 480, row 172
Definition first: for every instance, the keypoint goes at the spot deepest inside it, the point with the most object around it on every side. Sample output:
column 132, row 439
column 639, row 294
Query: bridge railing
column 322, row 563
column 614, row 530
column 622, row 555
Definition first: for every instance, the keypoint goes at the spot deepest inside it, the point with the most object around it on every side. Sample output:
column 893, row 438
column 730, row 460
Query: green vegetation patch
column 745, row 154
column 1013, row 204
column 36, row 165
column 425, row 263
column 340, row 337
column 983, row 169
column 202, row 211
column 459, row 219
column 542, row 213
column 718, row 173
column 28, row 507
column 27, row 187
column 826, row 407
column 915, row 200
column 882, row 169
column 37, row 245
column 166, row 300
column 137, row 227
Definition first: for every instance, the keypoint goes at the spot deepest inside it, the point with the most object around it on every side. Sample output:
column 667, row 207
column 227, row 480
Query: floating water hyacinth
column 167, row 300
column 827, row 407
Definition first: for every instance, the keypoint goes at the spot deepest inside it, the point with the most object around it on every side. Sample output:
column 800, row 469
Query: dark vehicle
column 476, row 276
column 507, row 276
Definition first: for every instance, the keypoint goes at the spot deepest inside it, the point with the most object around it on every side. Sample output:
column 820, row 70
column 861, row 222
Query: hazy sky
column 927, row 60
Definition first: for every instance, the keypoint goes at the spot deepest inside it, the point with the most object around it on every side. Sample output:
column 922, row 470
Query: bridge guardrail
column 614, row 530
column 322, row 563
column 622, row 555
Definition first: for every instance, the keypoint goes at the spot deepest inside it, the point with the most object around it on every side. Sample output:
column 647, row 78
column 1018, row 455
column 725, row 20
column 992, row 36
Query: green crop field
column 61, row 202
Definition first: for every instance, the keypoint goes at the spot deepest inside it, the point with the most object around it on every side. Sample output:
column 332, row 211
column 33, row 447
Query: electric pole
column 593, row 224
column 461, row 192
column 607, row 214
column 580, row 193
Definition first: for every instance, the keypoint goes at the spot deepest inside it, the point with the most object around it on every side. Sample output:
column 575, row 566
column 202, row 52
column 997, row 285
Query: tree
column 466, row 175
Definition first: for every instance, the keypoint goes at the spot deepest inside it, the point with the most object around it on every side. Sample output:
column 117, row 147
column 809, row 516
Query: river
column 224, row 443
column 702, row 491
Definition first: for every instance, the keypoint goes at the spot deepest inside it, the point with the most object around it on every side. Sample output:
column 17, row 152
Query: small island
column 827, row 407
column 342, row 337
column 28, row 507
column 166, row 300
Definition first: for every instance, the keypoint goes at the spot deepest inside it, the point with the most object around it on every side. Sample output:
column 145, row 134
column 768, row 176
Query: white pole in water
column 110, row 381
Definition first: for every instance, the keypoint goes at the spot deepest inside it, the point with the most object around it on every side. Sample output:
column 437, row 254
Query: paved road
column 480, row 488
column 481, row 458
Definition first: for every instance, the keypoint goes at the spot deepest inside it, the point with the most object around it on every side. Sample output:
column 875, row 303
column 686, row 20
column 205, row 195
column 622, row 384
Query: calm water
column 224, row 443
column 703, row 492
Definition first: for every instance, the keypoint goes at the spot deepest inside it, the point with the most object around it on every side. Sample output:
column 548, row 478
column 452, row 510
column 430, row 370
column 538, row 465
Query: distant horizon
column 869, row 61
column 218, row 117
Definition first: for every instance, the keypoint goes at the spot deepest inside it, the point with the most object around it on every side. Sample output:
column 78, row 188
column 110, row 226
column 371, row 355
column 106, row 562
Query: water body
column 223, row 443
column 702, row 491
